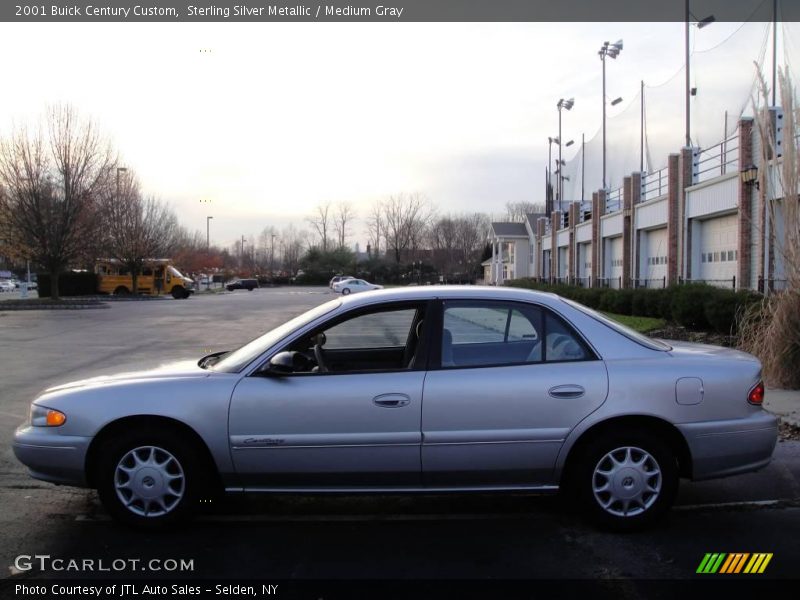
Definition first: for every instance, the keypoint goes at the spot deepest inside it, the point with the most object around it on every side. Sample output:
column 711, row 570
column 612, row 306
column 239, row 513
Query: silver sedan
column 436, row 389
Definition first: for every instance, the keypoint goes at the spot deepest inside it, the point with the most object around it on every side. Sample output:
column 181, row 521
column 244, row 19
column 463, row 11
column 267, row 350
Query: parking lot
column 509, row 536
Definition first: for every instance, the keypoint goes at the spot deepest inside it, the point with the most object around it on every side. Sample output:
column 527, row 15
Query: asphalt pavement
column 429, row 536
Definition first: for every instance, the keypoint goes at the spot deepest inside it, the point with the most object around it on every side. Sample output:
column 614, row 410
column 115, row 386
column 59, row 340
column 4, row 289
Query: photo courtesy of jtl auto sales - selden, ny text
column 433, row 299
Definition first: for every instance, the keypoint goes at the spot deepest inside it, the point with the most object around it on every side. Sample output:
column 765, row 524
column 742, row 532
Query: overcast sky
column 274, row 119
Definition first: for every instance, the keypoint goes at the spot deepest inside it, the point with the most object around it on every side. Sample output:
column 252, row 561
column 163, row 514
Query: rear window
column 632, row 334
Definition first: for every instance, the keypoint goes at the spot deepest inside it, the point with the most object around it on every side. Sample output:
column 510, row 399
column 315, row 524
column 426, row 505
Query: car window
column 483, row 333
column 375, row 330
column 562, row 343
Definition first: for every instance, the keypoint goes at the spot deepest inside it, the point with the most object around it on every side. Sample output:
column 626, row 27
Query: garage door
column 718, row 249
column 614, row 261
column 585, row 261
column 654, row 267
column 563, row 263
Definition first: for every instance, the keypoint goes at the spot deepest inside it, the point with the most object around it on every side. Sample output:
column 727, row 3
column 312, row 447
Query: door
column 513, row 380
column 347, row 416
column 718, row 249
column 656, row 267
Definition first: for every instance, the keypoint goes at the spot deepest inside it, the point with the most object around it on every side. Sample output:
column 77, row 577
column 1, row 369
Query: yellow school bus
column 158, row 276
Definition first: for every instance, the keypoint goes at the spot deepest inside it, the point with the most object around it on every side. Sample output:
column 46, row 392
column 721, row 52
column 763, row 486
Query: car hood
column 707, row 350
column 175, row 370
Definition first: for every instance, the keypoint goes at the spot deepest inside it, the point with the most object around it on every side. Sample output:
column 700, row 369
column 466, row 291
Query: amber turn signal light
column 55, row 418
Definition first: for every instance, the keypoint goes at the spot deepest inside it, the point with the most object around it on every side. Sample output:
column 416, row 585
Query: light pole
column 272, row 256
column 613, row 51
column 208, row 234
column 567, row 104
column 700, row 24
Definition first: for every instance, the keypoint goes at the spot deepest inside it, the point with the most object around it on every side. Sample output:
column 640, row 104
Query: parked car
column 523, row 391
column 6, row 285
column 353, row 286
column 242, row 284
column 337, row 279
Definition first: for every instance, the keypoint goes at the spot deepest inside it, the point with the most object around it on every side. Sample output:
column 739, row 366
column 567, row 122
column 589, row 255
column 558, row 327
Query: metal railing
column 585, row 211
column 659, row 282
column 725, row 283
column 548, row 227
column 654, row 184
column 610, row 282
column 771, row 284
column 716, row 160
column 613, row 201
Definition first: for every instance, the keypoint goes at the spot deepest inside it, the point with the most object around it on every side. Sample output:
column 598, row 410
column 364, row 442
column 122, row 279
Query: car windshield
column 637, row 337
column 239, row 359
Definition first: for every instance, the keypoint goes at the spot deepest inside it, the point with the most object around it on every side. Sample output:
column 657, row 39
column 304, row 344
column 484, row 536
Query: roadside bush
column 696, row 306
column 688, row 304
column 69, row 284
column 724, row 309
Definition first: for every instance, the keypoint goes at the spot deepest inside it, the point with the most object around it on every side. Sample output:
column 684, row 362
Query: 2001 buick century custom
column 422, row 389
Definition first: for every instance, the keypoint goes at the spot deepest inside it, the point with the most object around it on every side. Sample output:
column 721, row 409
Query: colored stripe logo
column 735, row 562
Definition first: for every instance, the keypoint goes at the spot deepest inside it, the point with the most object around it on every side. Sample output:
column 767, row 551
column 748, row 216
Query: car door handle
column 566, row 391
column 391, row 400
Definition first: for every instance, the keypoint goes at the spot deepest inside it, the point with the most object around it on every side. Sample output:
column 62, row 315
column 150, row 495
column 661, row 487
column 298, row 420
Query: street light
column 613, row 51
column 208, row 233
column 699, row 23
column 567, row 104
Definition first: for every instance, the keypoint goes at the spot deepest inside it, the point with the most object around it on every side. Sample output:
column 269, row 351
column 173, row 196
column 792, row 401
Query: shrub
column 688, row 304
column 724, row 309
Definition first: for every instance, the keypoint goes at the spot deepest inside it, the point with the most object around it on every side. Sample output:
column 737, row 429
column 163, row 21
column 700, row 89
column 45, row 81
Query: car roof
column 466, row 292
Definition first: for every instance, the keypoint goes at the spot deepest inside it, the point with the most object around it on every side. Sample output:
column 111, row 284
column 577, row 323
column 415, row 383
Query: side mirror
column 282, row 363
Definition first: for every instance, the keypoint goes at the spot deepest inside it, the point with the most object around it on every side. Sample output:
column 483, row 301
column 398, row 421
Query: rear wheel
column 345, row 291
column 178, row 292
column 122, row 291
column 625, row 481
column 149, row 480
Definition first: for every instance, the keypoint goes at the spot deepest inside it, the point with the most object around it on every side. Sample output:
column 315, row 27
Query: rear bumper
column 52, row 457
column 723, row 448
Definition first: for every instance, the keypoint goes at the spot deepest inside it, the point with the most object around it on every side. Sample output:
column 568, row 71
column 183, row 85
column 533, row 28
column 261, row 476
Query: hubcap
column 626, row 481
column 149, row 481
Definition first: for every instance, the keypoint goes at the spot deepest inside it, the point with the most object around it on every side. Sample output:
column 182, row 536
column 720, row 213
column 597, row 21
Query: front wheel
column 626, row 481
column 178, row 292
column 345, row 291
column 149, row 480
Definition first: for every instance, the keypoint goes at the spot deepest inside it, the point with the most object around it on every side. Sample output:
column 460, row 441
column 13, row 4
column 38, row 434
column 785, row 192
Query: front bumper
column 723, row 448
column 50, row 456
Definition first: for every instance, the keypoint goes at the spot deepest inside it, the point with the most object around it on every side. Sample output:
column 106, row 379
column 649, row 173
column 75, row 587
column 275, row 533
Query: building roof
column 532, row 218
column 509, row 230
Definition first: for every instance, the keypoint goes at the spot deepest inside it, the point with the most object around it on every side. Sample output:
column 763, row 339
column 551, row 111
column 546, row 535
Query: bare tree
column 516, row 211
column 471, row 232
column 405, row 217
column 293, row 241
column 138, row 228
column 321, row 221
column 344, row 215
column 376, row 230
column 443, row 239
column 52, row 186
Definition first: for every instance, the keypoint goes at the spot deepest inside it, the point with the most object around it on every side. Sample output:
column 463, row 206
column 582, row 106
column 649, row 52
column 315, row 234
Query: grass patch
column 640, row 324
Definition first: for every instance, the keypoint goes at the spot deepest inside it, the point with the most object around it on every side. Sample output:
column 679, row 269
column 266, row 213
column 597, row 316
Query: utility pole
column 774, row 49
column 241, row 255
column 641, row 130
column 272, row 255
column 688, row 91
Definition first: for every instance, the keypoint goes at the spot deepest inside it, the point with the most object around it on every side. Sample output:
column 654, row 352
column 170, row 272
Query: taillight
column 756, row 395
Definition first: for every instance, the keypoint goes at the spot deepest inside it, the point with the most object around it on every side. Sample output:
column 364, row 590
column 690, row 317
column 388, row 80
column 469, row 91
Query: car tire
column 122, row 291
column 625, row 481
column 178, row 292
column 345, row 291
column 149, row 480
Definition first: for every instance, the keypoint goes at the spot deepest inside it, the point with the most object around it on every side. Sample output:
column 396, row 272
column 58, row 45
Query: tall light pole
column 208, row 233
column 272, row 255
column 700, row 24
column 567, row 104
column 612, row 50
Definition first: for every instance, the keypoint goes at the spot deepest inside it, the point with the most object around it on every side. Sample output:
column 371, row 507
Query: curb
column 20, row 307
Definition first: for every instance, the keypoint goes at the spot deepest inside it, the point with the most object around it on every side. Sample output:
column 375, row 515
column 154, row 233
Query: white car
column 353, row 286
column 7, row 286
column 339, row 278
